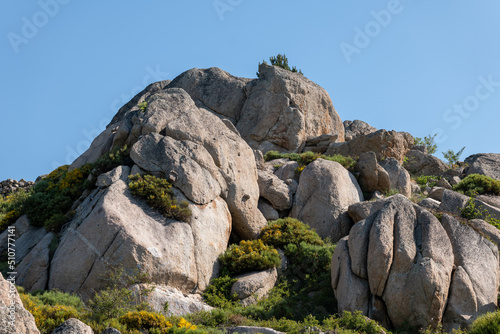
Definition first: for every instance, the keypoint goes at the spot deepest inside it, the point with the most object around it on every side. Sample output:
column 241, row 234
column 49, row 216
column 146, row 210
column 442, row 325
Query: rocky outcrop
column 419, row 163
column 484, row 163
column 132, row 235
column 357, row 128
column 401, row 264
column 385, row 144
column 179, row 304
column 398, row 176
column 372, row 176
column 362, row 210
column 73, row 326
column 325, row 191
column 26, row 235
column 284, row 109
column 251, row 287
column 9, row 186
column 14, row 318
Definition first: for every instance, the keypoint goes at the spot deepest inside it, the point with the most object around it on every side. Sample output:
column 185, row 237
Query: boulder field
column 206, row 133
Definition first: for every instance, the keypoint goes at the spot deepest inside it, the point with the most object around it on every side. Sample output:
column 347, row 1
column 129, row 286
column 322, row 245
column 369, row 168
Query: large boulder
column 285, row 109
column 132, row 235
column 195, row 150
column 419, row 163
column 385, row 144
column 26, row 235
column 398, row 176
column 405, row 267
column 14, row 318
column 214, row 89
column 326, row 189
column 484, row 163
column 372, row 176
column 357, row 128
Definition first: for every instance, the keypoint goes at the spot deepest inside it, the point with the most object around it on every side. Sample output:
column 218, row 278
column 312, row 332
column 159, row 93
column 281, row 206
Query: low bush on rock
column 249, row 256
column 477, row 184
column 218, row 293
column 427, row 181
column 48, row 202
column 488, row 323
column 282, row 232
column 307, row 157
column 159, row 195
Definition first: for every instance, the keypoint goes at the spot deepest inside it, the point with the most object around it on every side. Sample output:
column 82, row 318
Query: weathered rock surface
column 486, row 229
column 357, row 128
column 198, row 153
column 484, row 163
column 419, row 163
column 474, row 288
column 401, row 263
column 14, row 318
column 436, row 193
column 319, row 144
column 73, row 326
column 362, row 210
column 32, row 272
column 326, row 189
column 429, row 204
column 288, row 171
column 276, row 191
column 385, row 144
column 284, row 109
column 26, row 235
column 452, row 202
column 398, row 176
column 214, row 89
column 179, row 304
column 132, row 235
column 251, row 287
column 372, row 176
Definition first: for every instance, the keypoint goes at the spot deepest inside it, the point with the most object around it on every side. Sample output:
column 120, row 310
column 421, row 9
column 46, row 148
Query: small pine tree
column 453, row 157
column 281, row 61
column 428, row 142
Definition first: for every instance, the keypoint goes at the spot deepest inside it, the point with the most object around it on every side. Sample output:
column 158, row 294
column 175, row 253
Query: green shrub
column 488, row 323
column 143, row 105
column 55, row 297
column 11, row 207
column 282, row 232
column 218, row 292
column 158, row 194
column 476, row 184
column 310, row 259
column 307, row 157
column 143, row 320
column 428, row 142
column 391, row 192
column 354, row 321
column 248, row 256
column 427, row 180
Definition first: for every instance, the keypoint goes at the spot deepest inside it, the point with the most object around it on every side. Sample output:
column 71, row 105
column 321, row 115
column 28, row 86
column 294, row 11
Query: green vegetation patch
column 249, row 256
column 477, row 184
column 159, row 195
column 11, row 207
column 306, row 158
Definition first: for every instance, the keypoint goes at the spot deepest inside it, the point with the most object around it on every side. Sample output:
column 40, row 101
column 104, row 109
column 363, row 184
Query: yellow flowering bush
column 248, row 256
column 282, row 232
column 145, row 320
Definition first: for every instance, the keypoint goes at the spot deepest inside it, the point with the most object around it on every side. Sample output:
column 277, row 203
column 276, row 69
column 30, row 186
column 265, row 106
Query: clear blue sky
column 67, row 66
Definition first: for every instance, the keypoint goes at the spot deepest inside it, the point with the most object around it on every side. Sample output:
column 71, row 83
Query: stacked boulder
column 9, row 186
column 401, row 265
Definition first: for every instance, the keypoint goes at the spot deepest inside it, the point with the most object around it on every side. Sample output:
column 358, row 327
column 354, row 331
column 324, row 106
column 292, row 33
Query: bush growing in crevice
column 158, row 194
column 248, row 256
column 477, row 184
